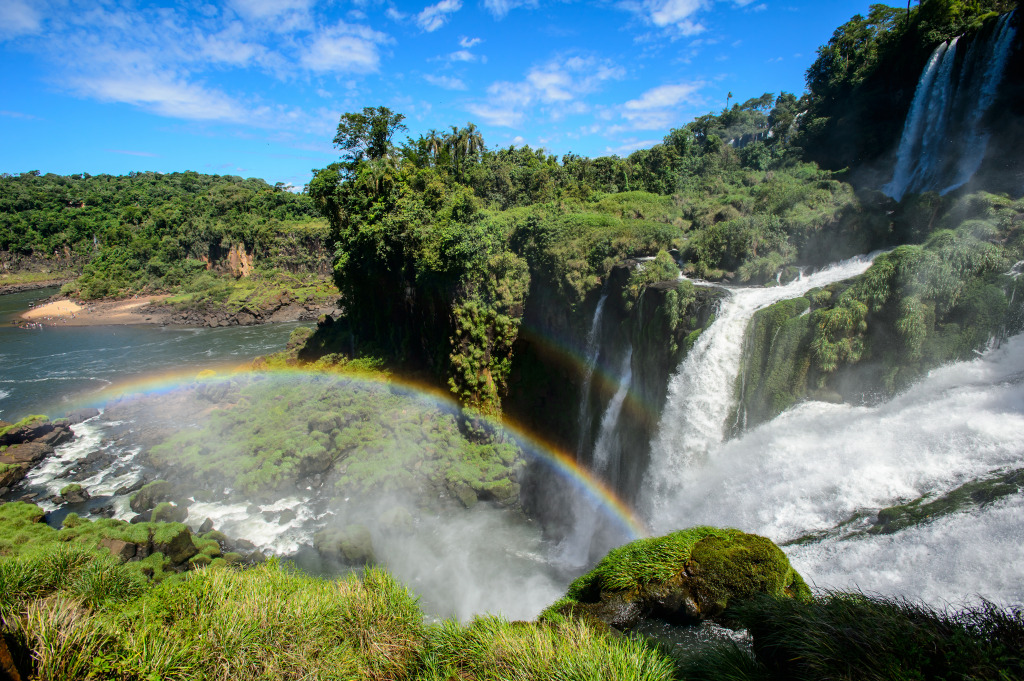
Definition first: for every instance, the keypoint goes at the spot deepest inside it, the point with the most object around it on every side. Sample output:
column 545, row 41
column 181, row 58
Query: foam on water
column 818, row 464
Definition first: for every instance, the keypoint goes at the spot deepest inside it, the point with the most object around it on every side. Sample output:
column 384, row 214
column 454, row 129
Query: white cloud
column 469, row 43
column 462, row 55
column 18, row 114
column 659, row 107
column 499, row 8
column 269, row 9
column 630, row 146
column 434, row 17
column 164, row 95
column 230, row 47
column 556, row 86
column 345, row 48
column 18, row 17
column 446, row 82
column 395, row 15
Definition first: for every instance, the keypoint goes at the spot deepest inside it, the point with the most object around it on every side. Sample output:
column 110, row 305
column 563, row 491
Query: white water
column 593, row 349
column 950, row 98
column 817, row 464
column 606, row 448
column 700, row 394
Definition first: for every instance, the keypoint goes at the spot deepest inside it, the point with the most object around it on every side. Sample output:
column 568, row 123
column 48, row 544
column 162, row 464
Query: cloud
column 434, row 17
column 395, row 15
column 631, row 145
column 469, row 43
column 499, row 8
column 18, row 17
column 659, row 107
column 462, row 55
column 269, row 9
column 18, row 114
column 164, row 95
column 556, row 86
column 446, row 82
column 345, row 48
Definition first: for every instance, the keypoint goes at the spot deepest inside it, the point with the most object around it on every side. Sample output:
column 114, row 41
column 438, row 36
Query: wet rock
column 207, row 526
column 141, row 518
column 286, row 517
column 129, row 489
column 166, row 512
column 80, row 415
column 244, row 545
column 58, row 436
column 150, row 495
column 352, row 545
column 103, row 511
column 397, row 519
column 73, row 494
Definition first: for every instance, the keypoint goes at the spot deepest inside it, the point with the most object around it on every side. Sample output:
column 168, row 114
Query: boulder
column 166, row 512
column 28, row 452
column 73, row 494
column 174, row 540
column 352, row 544
column 58, row 436
column 206, row 526
column 150, row 495
column 683, row 578
column 122, row 550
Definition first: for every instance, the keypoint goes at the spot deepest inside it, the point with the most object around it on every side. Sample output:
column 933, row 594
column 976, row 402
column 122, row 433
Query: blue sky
column 255, row 87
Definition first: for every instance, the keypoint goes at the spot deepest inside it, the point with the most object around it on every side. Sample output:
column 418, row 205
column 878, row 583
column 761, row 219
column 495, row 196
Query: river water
column 53, row 369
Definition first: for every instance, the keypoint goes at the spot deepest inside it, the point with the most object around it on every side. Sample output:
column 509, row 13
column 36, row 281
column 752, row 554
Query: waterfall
column 700, row 394
column 944, row 138
column 593, row 350
column 819, row 464
column 606, row 449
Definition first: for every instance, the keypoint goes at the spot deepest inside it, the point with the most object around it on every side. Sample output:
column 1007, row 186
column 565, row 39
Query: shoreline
column 6, row 289
column 68, row 312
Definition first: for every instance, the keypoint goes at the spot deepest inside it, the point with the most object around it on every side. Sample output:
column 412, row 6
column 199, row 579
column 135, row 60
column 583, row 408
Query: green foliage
column 494, row 649
column 662, row 268
column 69, row 489
column 152, row 231
column 362, row 436
column 851, row 635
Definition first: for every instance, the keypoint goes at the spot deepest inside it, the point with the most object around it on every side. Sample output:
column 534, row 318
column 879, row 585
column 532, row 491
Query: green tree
column 368, row 134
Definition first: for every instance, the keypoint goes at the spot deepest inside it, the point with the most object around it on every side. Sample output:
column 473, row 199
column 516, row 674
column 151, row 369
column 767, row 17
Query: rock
column 166, row 512
column 122, row 550
column 352, row 545
column 58, row 436
column 11, row 474
column 129, row 489
column 150, row 495
column 141, row 518
column 287, row 515
column 207, row 526
column 32, row 430
column 683, row 578
column 174, row 541
column 80, row 415
column 465, row 494
column 396, row 519
column 29, row 452
column 73, row 494
column 244, row 545
column 8, row 670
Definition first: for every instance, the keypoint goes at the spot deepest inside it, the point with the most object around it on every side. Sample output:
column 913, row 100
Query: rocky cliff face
column 549, row 379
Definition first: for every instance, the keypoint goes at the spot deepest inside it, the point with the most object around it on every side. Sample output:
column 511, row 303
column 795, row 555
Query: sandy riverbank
column 67, row 312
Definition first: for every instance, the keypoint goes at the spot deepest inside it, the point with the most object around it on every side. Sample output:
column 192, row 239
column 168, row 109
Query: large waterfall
column 944, row 137
column 700, row 394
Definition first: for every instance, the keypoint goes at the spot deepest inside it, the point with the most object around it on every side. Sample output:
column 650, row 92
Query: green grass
column 27, row 422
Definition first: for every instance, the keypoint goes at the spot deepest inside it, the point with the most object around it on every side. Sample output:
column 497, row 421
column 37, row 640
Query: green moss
column 69, row 489
column 27, row 422
column 166, row 512
column 150, row 495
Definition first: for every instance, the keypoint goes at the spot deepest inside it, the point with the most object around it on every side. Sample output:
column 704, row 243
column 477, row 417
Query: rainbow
column 533, row 445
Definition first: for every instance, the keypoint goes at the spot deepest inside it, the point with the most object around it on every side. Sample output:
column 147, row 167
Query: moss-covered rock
column 684, row 577
column 150, row 495
column 166, row 512
column 352, row 544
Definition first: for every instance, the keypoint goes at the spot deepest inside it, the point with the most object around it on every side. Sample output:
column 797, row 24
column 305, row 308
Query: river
column 52, row 369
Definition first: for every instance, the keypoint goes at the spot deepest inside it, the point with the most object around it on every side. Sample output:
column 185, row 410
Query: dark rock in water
column 166, row 512
column 28, row 452
column 58, row 436
column 244, row 545
column 352, row 545
column 207, row 526
column 121, row 550
column 465, row 494
column 141, row 518
column 397, row 519
column 26, row 433
column 682, row 578
column 129, row 489
column 80, row 415
column 287, row 515
column 103, row 511
column 73, row 494
column 150, row 495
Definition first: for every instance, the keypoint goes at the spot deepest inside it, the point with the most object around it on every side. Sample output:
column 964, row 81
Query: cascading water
column 819, row 464
column 701, row 392
column 593, row 350
column 950, row 96
column 605, row 449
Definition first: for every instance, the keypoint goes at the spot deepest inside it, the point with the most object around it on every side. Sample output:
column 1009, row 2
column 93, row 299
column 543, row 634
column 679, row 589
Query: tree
column 367, row 134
